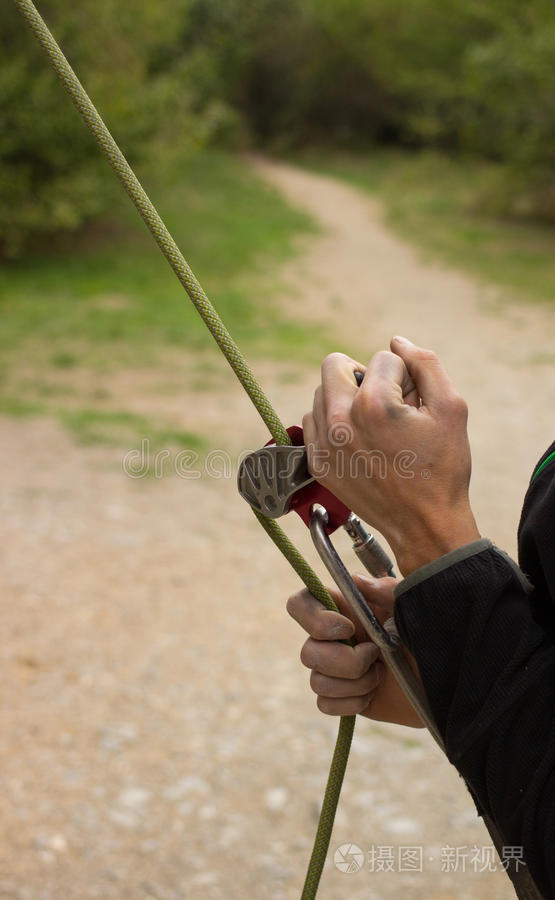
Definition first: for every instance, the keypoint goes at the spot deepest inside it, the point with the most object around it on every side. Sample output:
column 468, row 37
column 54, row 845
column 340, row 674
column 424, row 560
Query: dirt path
column 159, row 739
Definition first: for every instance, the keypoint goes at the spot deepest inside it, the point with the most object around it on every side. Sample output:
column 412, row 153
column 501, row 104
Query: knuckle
column 297, row 605
column 317, row 682
column 382, row 358
column 367, row 407
column 325, row 706
column 372, row 678
column 332, row 359
column 427, row 355
column 292, row 605
column 361, row 662
column 335, row 416
column 459, row 405
column 307, row 654
column 320, row 629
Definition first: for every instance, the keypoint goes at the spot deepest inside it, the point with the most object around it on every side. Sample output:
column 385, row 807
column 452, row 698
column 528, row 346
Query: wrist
column 421, row 543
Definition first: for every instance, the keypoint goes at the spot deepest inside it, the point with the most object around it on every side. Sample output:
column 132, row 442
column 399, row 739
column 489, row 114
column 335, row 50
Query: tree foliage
column 472, row 76
column 51, row 175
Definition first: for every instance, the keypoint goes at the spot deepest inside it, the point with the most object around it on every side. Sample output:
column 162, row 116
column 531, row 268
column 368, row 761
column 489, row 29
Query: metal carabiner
column 334, row 564
column 385, row 636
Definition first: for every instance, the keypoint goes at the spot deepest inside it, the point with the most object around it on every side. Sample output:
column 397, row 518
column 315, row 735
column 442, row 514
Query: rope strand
column 235, row 358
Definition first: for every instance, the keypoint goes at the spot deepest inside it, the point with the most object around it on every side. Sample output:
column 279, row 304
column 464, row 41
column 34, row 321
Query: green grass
column 447, row 207
column 115, row 298
column 107, row 299
column 102, row 426
column 63, row 359
column 121, row 427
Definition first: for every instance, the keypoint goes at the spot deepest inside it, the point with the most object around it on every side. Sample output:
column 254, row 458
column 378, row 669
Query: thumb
column 431, row 380
column 378, row 592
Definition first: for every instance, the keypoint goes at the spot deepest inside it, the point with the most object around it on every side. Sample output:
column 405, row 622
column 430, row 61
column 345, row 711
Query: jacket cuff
column 438, row 565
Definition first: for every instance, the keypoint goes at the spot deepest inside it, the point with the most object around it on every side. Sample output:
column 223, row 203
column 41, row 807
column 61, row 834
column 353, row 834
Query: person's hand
column 351, row 679
column 395, row 450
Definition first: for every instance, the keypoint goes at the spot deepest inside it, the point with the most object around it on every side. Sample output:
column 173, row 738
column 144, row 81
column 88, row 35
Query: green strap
column 243, row 372
column 542, row 466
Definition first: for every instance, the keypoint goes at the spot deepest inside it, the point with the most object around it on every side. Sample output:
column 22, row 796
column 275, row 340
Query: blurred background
column 335, row 172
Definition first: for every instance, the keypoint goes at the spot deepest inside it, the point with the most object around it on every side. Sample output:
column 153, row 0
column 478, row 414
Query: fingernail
column 401, row 340
column 379, row 670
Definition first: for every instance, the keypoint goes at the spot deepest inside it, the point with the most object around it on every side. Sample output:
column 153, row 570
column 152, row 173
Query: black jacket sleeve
column 536, row 540
column 481, row 636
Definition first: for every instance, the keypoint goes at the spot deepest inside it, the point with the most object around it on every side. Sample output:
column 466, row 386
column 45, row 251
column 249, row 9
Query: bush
column 52, row 176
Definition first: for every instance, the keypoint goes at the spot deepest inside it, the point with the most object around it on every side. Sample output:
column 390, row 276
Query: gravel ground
column 159, row 738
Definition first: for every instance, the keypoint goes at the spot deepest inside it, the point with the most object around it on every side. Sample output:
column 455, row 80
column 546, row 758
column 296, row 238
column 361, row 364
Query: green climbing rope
column 346, row 723
column 243, row 372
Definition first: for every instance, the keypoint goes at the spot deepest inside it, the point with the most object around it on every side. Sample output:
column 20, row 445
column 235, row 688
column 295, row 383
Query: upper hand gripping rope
column 243, row 372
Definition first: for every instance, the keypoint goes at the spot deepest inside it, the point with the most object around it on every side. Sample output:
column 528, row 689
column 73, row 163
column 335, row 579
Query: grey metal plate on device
column 268, row 478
